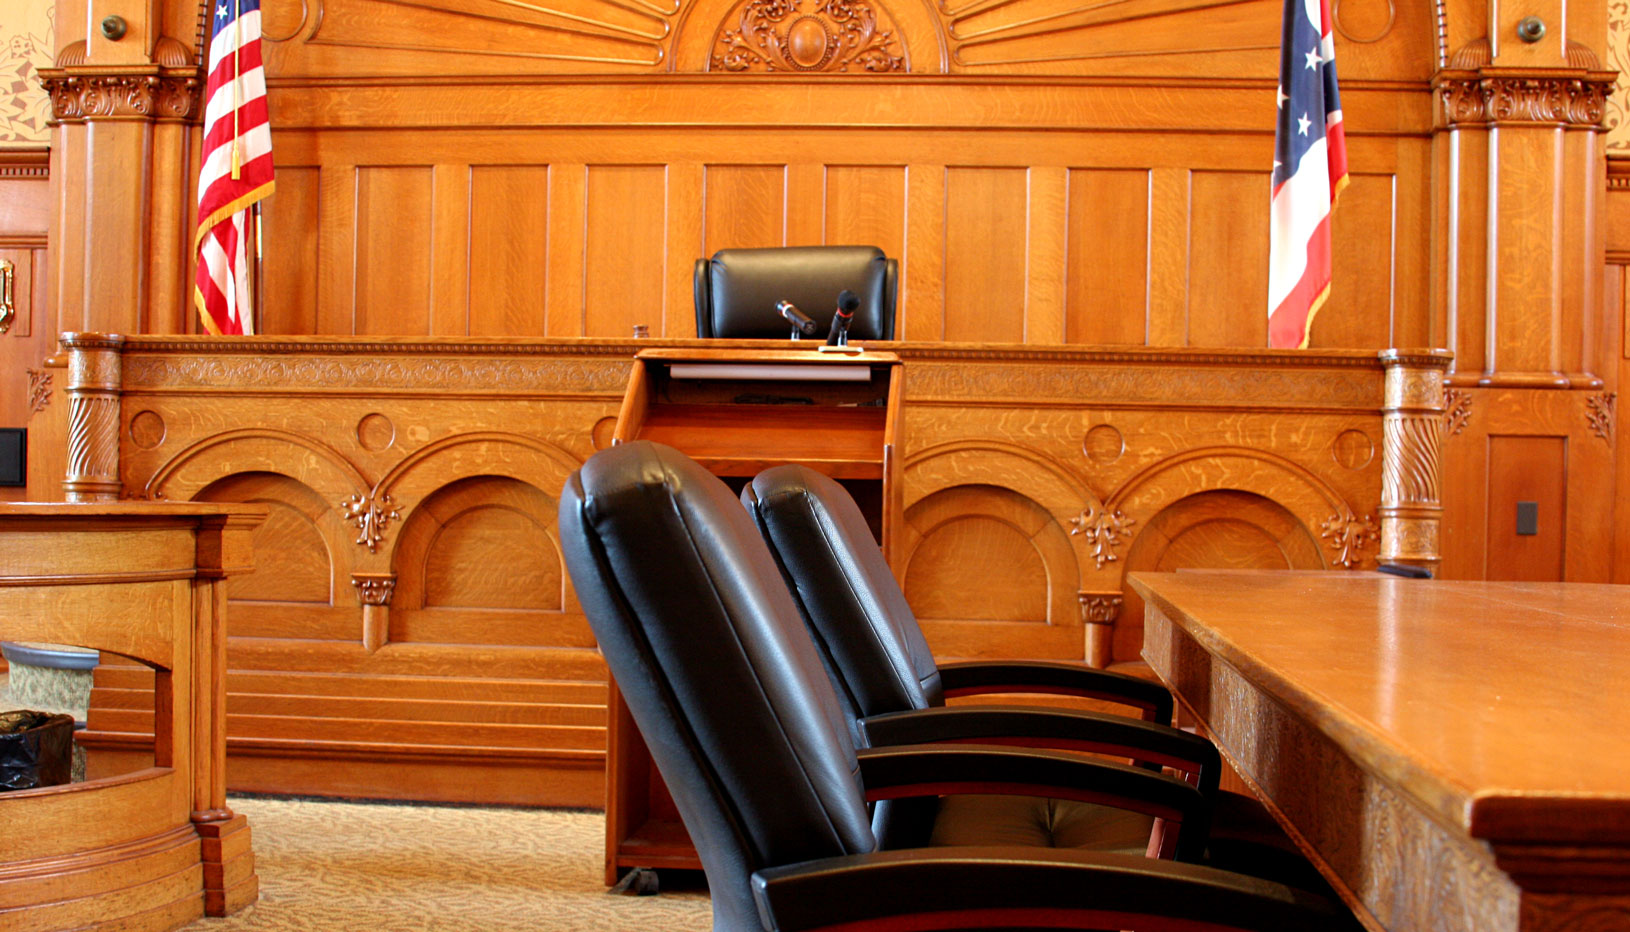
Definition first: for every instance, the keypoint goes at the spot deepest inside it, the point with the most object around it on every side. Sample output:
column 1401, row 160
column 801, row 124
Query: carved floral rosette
column 778, row 36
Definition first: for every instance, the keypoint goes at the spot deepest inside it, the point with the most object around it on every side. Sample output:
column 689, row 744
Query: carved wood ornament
column 1104, row 530
column 374, row 588
column 836, row 36
column 1457, row 411
column 169, row 89
column 1347, row 535
column 1473, row 92
column 371, row 515
column 1600, row 414
column 39, row 390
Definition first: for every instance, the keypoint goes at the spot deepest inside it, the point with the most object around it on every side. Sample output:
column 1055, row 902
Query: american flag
column 1310, row 167
column 237, row 166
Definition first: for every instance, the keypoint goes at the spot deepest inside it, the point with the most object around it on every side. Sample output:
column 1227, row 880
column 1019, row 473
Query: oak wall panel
column 746, row 207
column 625, row 258
column 1228, row 267
column 1359, row 311
column 986, row 215
column 393, row 250
column 1107, row 267
column 508, row 249
column 291, row 228
column 866, row 204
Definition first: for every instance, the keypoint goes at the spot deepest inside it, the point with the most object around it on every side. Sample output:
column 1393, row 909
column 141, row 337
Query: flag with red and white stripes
column 1309, row 169
column 237, row 166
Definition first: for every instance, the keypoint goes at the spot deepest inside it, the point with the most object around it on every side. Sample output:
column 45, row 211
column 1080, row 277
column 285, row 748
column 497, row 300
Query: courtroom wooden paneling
column 29, row 336
column 411, row 617
column 411, row 633
column 1615, row 340
column 1083, row 178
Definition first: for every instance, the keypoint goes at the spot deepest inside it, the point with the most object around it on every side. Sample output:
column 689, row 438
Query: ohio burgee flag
column 1309, row 168
column 237, row 166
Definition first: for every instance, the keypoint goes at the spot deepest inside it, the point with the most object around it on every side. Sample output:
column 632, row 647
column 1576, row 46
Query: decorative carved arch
column 535, row 462
column 1322, row 510
column 1060, row 489
column 1017, row 494
column 310, row 462
column 281, row 559
column 457, row 562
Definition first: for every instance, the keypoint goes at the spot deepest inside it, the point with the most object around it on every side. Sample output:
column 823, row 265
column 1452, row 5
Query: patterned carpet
column 329, row 866
column 339, row 866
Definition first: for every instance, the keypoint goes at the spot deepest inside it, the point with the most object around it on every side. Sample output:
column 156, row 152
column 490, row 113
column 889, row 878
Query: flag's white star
column 221, row 11
column 1313, row 59
column 1302, row 123
column 1280, row 90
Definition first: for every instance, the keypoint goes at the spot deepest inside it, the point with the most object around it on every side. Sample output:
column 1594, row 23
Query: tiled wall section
column 26, row 42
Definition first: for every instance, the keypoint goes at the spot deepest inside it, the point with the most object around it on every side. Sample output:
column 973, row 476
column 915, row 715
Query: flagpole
column 237, row 87
column 259, row 289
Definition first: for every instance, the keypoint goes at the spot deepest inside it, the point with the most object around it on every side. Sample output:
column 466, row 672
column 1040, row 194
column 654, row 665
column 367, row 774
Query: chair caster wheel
column 641, row 881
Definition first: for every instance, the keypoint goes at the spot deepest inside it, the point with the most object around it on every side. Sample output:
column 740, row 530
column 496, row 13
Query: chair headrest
column 849, row 598
column 738, row 289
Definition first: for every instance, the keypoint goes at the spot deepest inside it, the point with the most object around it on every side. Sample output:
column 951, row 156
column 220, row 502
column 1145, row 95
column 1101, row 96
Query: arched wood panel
column 1222, row 529
column 988, row 569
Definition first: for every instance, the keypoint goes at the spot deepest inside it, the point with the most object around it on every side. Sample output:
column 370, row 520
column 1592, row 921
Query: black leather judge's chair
column 727, row 688
column 737, row 290
column 891, row 684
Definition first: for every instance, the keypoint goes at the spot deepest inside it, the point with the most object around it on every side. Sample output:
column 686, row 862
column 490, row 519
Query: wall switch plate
column 1527, row 518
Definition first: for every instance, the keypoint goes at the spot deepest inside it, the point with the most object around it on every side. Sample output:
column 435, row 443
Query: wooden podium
column 738, row 412
column 156, row 847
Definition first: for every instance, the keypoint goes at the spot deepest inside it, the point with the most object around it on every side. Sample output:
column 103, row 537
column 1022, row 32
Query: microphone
column 801, row 322
column 839, row 334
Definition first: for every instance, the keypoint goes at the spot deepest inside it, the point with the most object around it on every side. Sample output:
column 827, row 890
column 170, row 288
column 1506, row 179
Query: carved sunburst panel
column 325, row 37
column 1235, row 38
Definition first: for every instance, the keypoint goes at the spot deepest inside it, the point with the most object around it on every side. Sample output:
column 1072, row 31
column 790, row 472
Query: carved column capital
column 1099, row 611
column 148, row 92
column 374, row 588
column 1503, row 95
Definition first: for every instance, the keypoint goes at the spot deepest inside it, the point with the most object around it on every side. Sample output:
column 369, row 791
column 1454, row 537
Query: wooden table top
column 1499, row 706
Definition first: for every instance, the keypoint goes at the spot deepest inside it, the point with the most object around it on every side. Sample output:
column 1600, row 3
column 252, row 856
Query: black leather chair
column 727, row 688
column 737, row 290
column 890, row 683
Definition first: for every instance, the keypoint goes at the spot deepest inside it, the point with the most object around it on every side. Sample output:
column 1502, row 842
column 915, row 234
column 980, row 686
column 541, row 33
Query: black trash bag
column 36, row 749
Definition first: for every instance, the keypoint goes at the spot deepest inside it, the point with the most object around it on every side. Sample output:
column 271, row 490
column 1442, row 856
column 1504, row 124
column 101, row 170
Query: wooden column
column 93, row 416
column 122, row 165
column 1527, row 450
column 1412, row 432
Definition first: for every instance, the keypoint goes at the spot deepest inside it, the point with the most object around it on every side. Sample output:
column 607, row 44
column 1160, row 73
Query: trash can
column 36, row 749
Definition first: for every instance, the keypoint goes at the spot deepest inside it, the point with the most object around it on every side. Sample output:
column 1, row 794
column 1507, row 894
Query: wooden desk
column 1452, row 754
column 156, row 847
